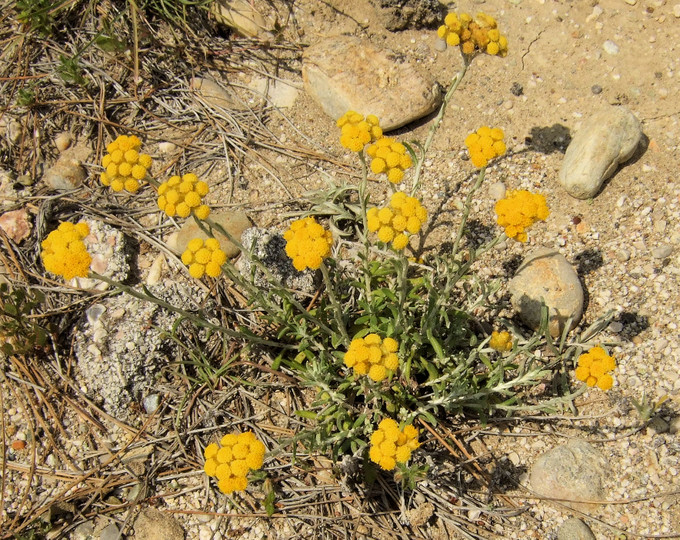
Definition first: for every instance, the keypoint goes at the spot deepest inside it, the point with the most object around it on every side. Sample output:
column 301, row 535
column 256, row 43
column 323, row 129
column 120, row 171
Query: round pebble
column 663, row 251
column 610, row 47
column 63, row 141
column 596, row 89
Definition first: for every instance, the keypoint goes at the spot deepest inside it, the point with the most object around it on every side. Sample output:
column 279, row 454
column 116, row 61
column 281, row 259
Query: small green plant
column 38, row 15
column 392, row 338
column 19, row 332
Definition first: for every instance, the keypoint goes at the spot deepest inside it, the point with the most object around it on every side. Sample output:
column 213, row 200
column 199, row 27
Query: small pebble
column 517, row 89
column 18, row 444
column 663, row 251
column 166, row 147
column 63, row 141
column 596, row 89
column 676, row 10
column 631, row 2
column 615, row 327
column 610, row 47
column 623, row 255
column 151, row 403
column 440, row 45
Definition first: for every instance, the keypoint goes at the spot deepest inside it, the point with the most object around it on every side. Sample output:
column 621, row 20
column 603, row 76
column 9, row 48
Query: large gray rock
column 348, row 73
column 607, row 139
column 574, row 472
column 546, row 276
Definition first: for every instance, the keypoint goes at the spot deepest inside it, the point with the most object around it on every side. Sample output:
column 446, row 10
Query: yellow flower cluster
column 180, row 196
column 124, row 165
column 372, row 355
column 390, row 445
column 63, row 251
column 389, row 157
column 405, row 214
column 478, row 34
column 357, row 131
column 204, row 257
column 501, row 341
column 484, row 145
column 307, row 243
column 519, row 210
column 231, row 462
column 594, row 367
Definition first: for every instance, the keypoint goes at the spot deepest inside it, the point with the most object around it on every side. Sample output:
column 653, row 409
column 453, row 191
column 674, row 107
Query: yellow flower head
column 501, row 341
column 64, row 253
column 391, row 445
column 357, row 131
column 390, row 158
column 204, row 257
column 404, row 216
column 473, row 35
column 373, row 356
column 519, row 210
column 307, row 243
column 124, row 166
column 232, row 460
column 594, row 367
column 180, row 196
column 484, row 145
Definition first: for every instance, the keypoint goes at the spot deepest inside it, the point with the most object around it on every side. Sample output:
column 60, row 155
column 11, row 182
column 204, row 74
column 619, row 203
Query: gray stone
column 232, row 222
column 268, row 246
column 84, row 531
column 573, row 473
column 607, row 139
column 110, row 532
column 348, row 73
column 152, row 524
column 575, row 529
column 151, row 403
column 610, row 47
column 662, row 251
column 546, row 276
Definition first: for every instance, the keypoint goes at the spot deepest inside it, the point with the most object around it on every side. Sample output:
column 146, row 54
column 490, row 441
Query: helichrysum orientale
column 389, row 157
column 64, row 253
column 484, row 145
column 501, row 341
column 478, row 34
column 182, row 195
column 372, row 356
column 204, row 257
column 391, row 445
column 232, row 460
column 519, row 210
column 307, row 243
column 357, row 131
column 594, row 367
column 125, row 166
column 392, row 223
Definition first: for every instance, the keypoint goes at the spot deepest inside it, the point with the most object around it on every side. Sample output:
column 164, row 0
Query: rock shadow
column 633, row 324
column 548, row 140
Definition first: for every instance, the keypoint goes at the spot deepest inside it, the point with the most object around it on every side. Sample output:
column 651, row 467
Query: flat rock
column 232, row 222
column 607, row 139
column 216, row 95
column 546, row 276
column 152, row 524
column 574, row 471
column 239, row 15
column 575, row 529
column 349, row 73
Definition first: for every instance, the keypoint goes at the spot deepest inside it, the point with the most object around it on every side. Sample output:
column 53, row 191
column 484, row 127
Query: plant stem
column 466, row 210
column 199, row 321
column 337, row 310
column 455, row 82
column 363, row 202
